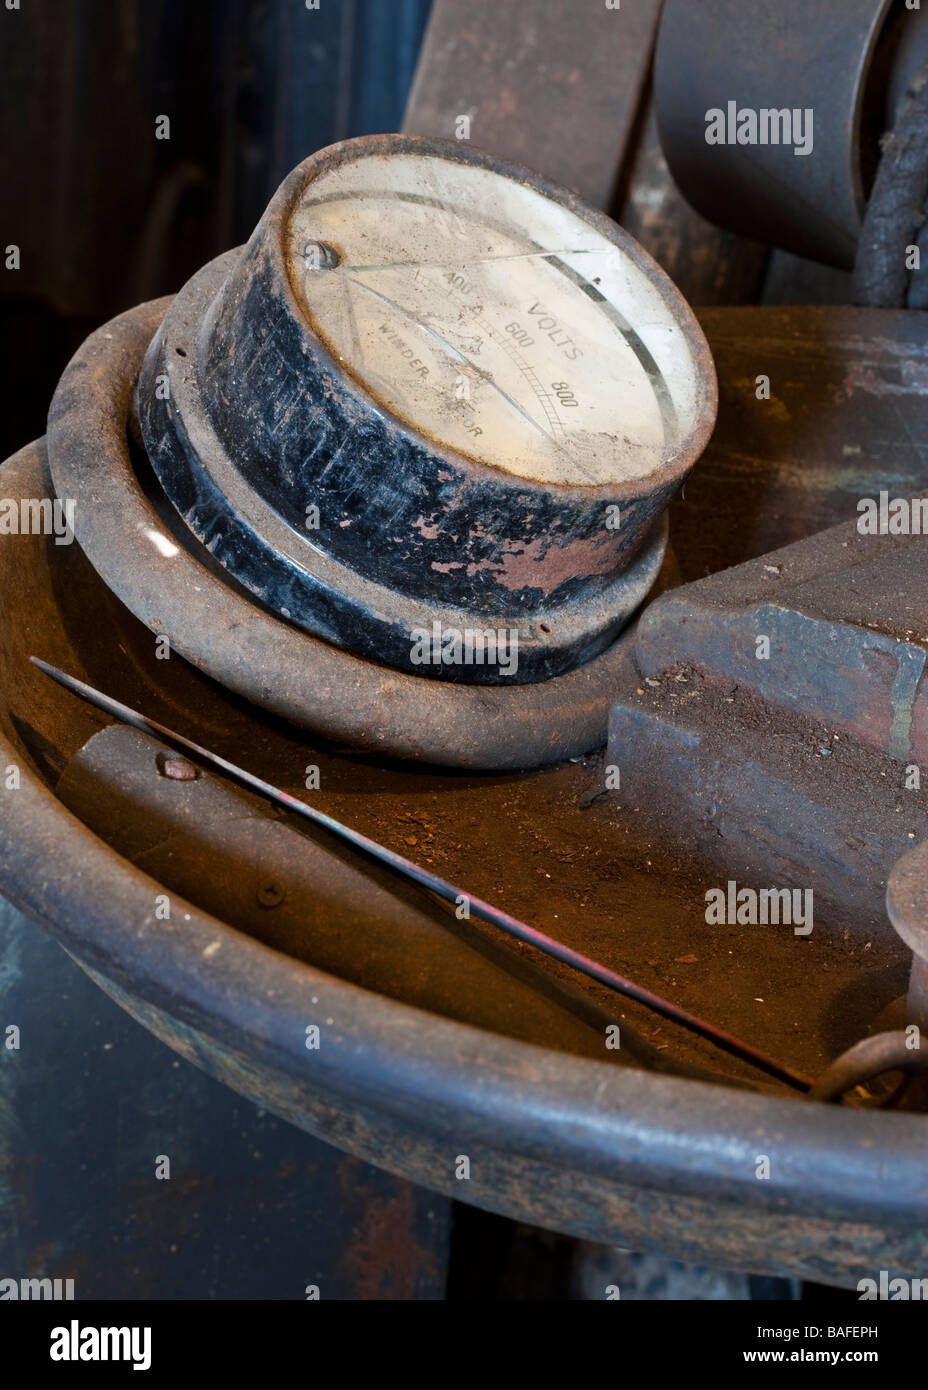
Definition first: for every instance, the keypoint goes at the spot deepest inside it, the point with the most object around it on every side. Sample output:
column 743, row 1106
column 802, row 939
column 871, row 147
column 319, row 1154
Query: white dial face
column 492, row 319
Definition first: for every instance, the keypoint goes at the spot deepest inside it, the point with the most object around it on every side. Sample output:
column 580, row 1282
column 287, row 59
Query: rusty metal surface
column 225, row 633
column 573, row 1144
column 230, row 853
column 720, row 52
column 842, row 611
column 847, row 416
column 768, row 797
column 579, row 1145
column 558, row 1189
column 551, row 85
column 798, row 764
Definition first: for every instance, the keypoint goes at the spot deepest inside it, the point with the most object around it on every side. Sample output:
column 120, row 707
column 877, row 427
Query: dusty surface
column 554, row 847
column 559, row 850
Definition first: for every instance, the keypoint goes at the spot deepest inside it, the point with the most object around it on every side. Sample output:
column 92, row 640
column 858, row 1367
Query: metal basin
column 598, row 1150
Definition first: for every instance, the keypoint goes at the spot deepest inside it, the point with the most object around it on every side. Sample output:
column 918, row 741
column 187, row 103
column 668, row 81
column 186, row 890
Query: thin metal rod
column 510, row 925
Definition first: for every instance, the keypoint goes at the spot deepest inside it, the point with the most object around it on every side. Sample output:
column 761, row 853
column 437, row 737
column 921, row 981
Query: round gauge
column 492, row 319
column 432, row 388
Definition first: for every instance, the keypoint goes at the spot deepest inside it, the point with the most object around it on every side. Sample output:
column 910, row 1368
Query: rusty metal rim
column 677, row 1137
column 233, row 639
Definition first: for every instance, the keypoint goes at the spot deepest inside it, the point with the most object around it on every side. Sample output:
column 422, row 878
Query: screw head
column 270, row 895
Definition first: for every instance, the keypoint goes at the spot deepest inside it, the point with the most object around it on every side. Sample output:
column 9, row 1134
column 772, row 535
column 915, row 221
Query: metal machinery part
column 411, row 348
column 645, row 1154
column 848, row 65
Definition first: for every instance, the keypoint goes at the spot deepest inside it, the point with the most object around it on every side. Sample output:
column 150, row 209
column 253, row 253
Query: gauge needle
column 502, row 920
column 481, row 372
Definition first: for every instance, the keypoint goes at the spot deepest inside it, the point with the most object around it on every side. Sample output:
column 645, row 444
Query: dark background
column 106, row 215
